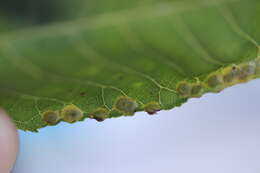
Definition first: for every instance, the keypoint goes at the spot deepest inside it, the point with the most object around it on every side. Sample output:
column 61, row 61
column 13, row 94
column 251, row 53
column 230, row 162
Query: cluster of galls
column 122, row 106
column 69, row 113
column 219, row 80
column 214, row 82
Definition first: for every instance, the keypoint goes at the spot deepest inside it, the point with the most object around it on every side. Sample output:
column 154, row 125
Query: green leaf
column 103, row 59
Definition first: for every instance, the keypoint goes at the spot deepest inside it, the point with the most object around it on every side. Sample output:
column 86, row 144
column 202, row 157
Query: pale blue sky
column 218, row 133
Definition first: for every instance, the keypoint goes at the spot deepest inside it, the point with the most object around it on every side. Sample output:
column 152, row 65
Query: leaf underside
column 113, row 58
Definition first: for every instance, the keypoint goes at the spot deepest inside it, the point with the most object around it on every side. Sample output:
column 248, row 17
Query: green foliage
column 103, row 59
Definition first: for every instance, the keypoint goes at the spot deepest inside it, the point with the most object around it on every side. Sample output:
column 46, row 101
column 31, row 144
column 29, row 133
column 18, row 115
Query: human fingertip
column 8, row 143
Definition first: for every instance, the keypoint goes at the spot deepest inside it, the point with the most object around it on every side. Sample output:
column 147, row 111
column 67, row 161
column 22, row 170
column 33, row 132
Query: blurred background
column 217, row 133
